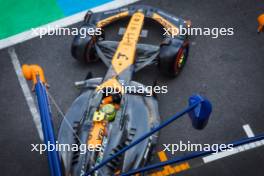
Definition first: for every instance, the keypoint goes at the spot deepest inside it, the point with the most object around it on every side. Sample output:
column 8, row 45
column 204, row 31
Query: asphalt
column 228, row 70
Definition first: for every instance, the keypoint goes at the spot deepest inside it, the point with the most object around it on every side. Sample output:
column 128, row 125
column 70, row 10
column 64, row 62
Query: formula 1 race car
column 107, row 117
column 120, row 126
column 114, row 120
column 170, row 55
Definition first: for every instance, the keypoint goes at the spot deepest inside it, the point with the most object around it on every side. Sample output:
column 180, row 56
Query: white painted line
column 248, row 130
column 247, row 146
column 219, row 155
column 236, row 150
column 258, row 143
column 241, row 148
column 253, row 145
column 26, row 91
column 18, row 38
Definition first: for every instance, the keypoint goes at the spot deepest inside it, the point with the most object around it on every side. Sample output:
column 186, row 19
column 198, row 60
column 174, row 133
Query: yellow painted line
column 169, row 170
column 162, row 156
column 182, row 167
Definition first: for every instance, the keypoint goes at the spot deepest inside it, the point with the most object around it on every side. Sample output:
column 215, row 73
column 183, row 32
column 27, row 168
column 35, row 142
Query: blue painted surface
column 70, row 7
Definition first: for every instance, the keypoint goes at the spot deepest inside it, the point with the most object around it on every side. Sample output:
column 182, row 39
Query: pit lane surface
column 228, row 70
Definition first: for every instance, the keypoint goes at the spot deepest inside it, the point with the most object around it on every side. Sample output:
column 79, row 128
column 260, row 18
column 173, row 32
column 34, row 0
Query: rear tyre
column 172, row 57
column 83, row 46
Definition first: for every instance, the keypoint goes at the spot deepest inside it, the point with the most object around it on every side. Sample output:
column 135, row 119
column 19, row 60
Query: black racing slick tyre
column 172, row 57
column 83, row 46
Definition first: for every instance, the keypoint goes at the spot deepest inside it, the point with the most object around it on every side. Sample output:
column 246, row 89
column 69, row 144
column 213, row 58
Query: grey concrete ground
column 228, row 70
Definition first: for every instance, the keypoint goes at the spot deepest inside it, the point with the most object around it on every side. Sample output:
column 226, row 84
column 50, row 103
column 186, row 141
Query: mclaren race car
column 120, row 127
column 113, row 119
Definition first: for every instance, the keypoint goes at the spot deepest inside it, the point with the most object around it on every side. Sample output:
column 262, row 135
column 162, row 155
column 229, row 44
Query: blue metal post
column 47, row 128
column 190, row 156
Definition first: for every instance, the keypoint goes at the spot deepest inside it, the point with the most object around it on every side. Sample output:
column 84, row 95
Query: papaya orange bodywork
column 97, row 134
column 113, row 83
column 111, row 19
column 173, row 30
column 122, row 59
column 125, row 53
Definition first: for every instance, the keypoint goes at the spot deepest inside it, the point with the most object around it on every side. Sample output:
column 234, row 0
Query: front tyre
column 172, row 57
column 83, row 45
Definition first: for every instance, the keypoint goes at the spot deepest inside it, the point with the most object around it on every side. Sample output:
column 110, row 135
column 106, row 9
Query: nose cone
column 261, row 22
